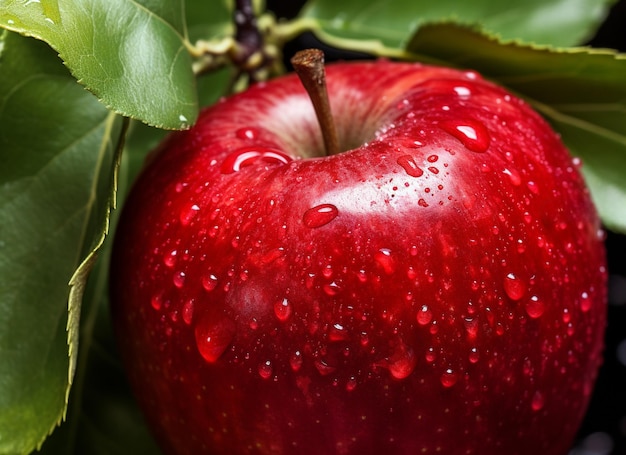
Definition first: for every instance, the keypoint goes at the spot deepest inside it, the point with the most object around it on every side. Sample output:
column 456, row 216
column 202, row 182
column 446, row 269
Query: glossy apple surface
column 439, row 287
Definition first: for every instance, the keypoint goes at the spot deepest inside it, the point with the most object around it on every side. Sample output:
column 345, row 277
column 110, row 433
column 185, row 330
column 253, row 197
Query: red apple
column 438, row 287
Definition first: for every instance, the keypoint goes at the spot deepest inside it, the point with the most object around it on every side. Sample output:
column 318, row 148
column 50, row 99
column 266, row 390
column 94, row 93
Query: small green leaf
column 131, row 54
column 582, row 91
column 393, row 22
column 55, row 156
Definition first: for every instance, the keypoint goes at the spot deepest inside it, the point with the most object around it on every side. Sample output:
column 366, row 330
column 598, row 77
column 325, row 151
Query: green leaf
column 206, row 20
column 102, row 417
column 56, row 151
column 393, row 22
column 582, row 91
column 132, row 55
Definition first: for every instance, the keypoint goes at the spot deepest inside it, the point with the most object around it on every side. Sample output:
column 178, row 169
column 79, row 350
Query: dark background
column 604, row 429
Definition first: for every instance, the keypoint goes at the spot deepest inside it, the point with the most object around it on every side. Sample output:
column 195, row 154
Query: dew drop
column 188, row 213
column 535, row 307
column 473, row 355
column 209, row 282
column 156, row 301
column 351, row 384
column 567, row 317
column 169, row 259
column 265, row 369
column 179, row 279
column 424, row 315
column 188, row 311
column 514, row 176
column 248, row 155
column 585, row 302
column 384, row 259
column 473, row 135
column 362, row 276
column 295, row 361
column 323, row 367
column 247, row 133
column 449, row 378
column 471, row 327
column 410, row 166
column 462, row 91
column 331, row 289
column 537, row 401
column 514, row 287
column 319, row 215
column 214, row 333
column 282, row 309
column 402, row 362
column 337, row 332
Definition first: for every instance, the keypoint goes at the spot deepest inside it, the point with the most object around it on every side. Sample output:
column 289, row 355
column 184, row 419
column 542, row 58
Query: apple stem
column 309, row 65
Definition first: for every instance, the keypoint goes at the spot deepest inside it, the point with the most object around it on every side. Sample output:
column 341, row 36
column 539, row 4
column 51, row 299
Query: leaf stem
column 309, row 65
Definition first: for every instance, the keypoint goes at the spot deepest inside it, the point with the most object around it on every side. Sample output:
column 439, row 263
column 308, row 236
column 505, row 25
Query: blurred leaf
column 392, row 22
column 50, row 209
column 131, row 54
column 582, row 91
column 206, row 20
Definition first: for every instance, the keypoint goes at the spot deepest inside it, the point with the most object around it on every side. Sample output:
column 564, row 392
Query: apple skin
column 438, row 288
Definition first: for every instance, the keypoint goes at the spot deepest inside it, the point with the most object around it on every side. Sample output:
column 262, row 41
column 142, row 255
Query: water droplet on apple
column 337, row 332
column 179, row 279
column 331, row 289
column 537, row 401
column 384, row 259
column 320, row 215
column 156, row 301
column 295, row 361
column 362, row 276
column 410, row 166
column 248, row 155
column 473, row 355
column 424, row 315
column 209, row 282
column 282, row 309
column 514, row 287
column 402, row 363
column 471, row 327
column 532, row 186
column 535, row 307
column 188, row 213
column 462, row 91
column 323, row 367
column 188, row 311
column 247, row 133
column 214, row 333
column 265, row 369
column 169, row 259
column 585, row 302
column 473, row 135
column 514, row 176
column 449, row 378
column 351, row 384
